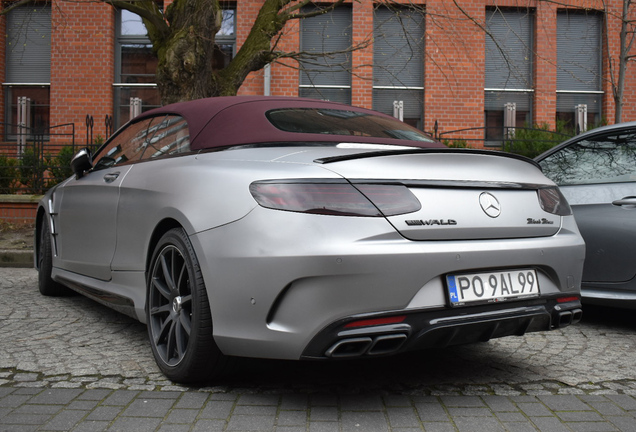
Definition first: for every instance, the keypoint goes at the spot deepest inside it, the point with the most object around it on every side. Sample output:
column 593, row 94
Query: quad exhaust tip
column 357, row 347
column 567, row 318
column 391, row 343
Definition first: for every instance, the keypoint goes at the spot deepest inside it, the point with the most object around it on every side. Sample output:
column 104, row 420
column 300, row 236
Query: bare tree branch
column 8, row 7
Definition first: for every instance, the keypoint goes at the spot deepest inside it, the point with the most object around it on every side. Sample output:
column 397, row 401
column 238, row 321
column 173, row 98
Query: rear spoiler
column 364, row 155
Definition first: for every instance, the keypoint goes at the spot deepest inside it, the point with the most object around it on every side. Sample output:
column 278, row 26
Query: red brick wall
column 454, row 59
column 612, row 47
column 454, row 66
column 82, row 60
column 629, row 105
column 545, row 72
column 82, row 64
column 285, row 77
column 361, row 80
column 545, row 61
column 611, row 53
column 18, row 212
column 246, row 12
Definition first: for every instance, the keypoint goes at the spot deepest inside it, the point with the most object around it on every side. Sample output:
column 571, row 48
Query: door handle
column 629, row 201
column 111, row 177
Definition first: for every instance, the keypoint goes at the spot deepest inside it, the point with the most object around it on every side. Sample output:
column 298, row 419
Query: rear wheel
column 178, row 313
column 46, row 284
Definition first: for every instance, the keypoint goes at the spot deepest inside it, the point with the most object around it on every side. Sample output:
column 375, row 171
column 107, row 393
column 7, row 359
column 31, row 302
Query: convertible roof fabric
column 241, row 120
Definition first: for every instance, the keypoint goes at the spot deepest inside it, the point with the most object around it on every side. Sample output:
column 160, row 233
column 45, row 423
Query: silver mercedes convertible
column 289, row 228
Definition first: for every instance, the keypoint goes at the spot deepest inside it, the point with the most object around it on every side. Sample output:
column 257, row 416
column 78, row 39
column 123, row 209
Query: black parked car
column 596, row 171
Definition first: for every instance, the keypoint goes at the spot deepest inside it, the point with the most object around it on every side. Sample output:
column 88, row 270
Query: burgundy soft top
column 239, row 120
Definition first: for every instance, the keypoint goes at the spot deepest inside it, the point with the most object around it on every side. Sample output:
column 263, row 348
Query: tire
column 46, row 284
column 178, row 313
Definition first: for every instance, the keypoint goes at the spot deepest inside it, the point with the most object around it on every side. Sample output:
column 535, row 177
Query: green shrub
column 7, row 174
column 456, row 143
column 34, row 171
column 31, row 169
column 60, row 166
column 97, row 142
column 531, row 142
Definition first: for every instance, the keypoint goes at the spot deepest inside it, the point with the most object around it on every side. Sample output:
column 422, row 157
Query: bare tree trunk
column 184, row 70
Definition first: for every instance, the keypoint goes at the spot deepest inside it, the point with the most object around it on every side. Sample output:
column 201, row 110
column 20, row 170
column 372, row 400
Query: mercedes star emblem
column 489, row 204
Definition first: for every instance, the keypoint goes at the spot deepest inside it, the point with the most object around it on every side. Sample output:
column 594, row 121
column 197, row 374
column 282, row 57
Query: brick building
column 470, row 64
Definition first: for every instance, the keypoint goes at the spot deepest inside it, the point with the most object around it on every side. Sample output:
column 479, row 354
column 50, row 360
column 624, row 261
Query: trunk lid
column 465, row 195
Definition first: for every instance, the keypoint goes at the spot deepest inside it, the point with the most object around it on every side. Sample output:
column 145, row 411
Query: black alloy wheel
column 178, row 312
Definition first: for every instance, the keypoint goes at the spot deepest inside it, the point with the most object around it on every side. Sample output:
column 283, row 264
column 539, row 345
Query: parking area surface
column 72, row 364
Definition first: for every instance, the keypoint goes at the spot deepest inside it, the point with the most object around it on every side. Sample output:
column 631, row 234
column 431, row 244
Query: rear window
column 342, row 122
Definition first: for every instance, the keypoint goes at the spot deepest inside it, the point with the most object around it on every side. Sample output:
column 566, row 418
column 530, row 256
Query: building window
column 135, row 83
column 508, row 73
column 28, row 71
column 398, row 64
column 225, row 40
column 325, row 72
column 579, row 56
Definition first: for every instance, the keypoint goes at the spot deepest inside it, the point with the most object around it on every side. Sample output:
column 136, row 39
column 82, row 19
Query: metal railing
column 33, row 160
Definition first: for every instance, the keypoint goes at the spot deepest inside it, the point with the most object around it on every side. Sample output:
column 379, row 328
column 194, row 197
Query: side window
column 603, row 159
column 149, row 138
column 126, row 146
column 170, row 136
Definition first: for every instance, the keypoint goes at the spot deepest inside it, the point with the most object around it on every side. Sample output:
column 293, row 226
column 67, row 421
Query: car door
column 86, row 222
column 597, row 174
column 87, row 207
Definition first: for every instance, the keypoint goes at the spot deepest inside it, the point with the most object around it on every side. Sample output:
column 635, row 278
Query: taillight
column 376, row 321
column 392, row 200
column 567, row 299
column 553, row 201
column 335, row 198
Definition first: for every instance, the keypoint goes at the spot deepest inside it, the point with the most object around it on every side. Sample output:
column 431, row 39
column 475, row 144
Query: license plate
column 492, row 287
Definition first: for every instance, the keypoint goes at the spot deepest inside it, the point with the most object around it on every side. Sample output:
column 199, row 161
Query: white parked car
column 298, row 229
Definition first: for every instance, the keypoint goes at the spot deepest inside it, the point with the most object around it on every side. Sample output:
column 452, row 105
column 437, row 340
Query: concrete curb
column 16, row 258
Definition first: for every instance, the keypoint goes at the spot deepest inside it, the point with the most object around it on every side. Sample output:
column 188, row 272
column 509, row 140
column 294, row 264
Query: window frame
column 119, row 86
column 40, row 76
column 498, row 89
column 409, row 88
column 577, row 93
column 122, row 40
column 307, row 85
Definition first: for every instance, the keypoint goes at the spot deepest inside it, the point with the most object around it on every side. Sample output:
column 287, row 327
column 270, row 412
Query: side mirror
column 82, row 162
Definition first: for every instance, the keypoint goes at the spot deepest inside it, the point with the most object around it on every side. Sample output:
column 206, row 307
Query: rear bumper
column 438, row 329
column 278, row 281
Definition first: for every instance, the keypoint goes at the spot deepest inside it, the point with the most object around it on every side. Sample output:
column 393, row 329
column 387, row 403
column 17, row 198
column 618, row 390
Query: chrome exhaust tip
column 387, row 344
column 565, row 319
column 357, row 347
column 349, row 347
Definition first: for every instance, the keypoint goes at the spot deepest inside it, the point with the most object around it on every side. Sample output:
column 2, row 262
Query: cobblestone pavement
column 71, row 364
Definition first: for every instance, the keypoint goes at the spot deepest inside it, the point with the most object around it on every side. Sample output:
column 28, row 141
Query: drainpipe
column 267, row 79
